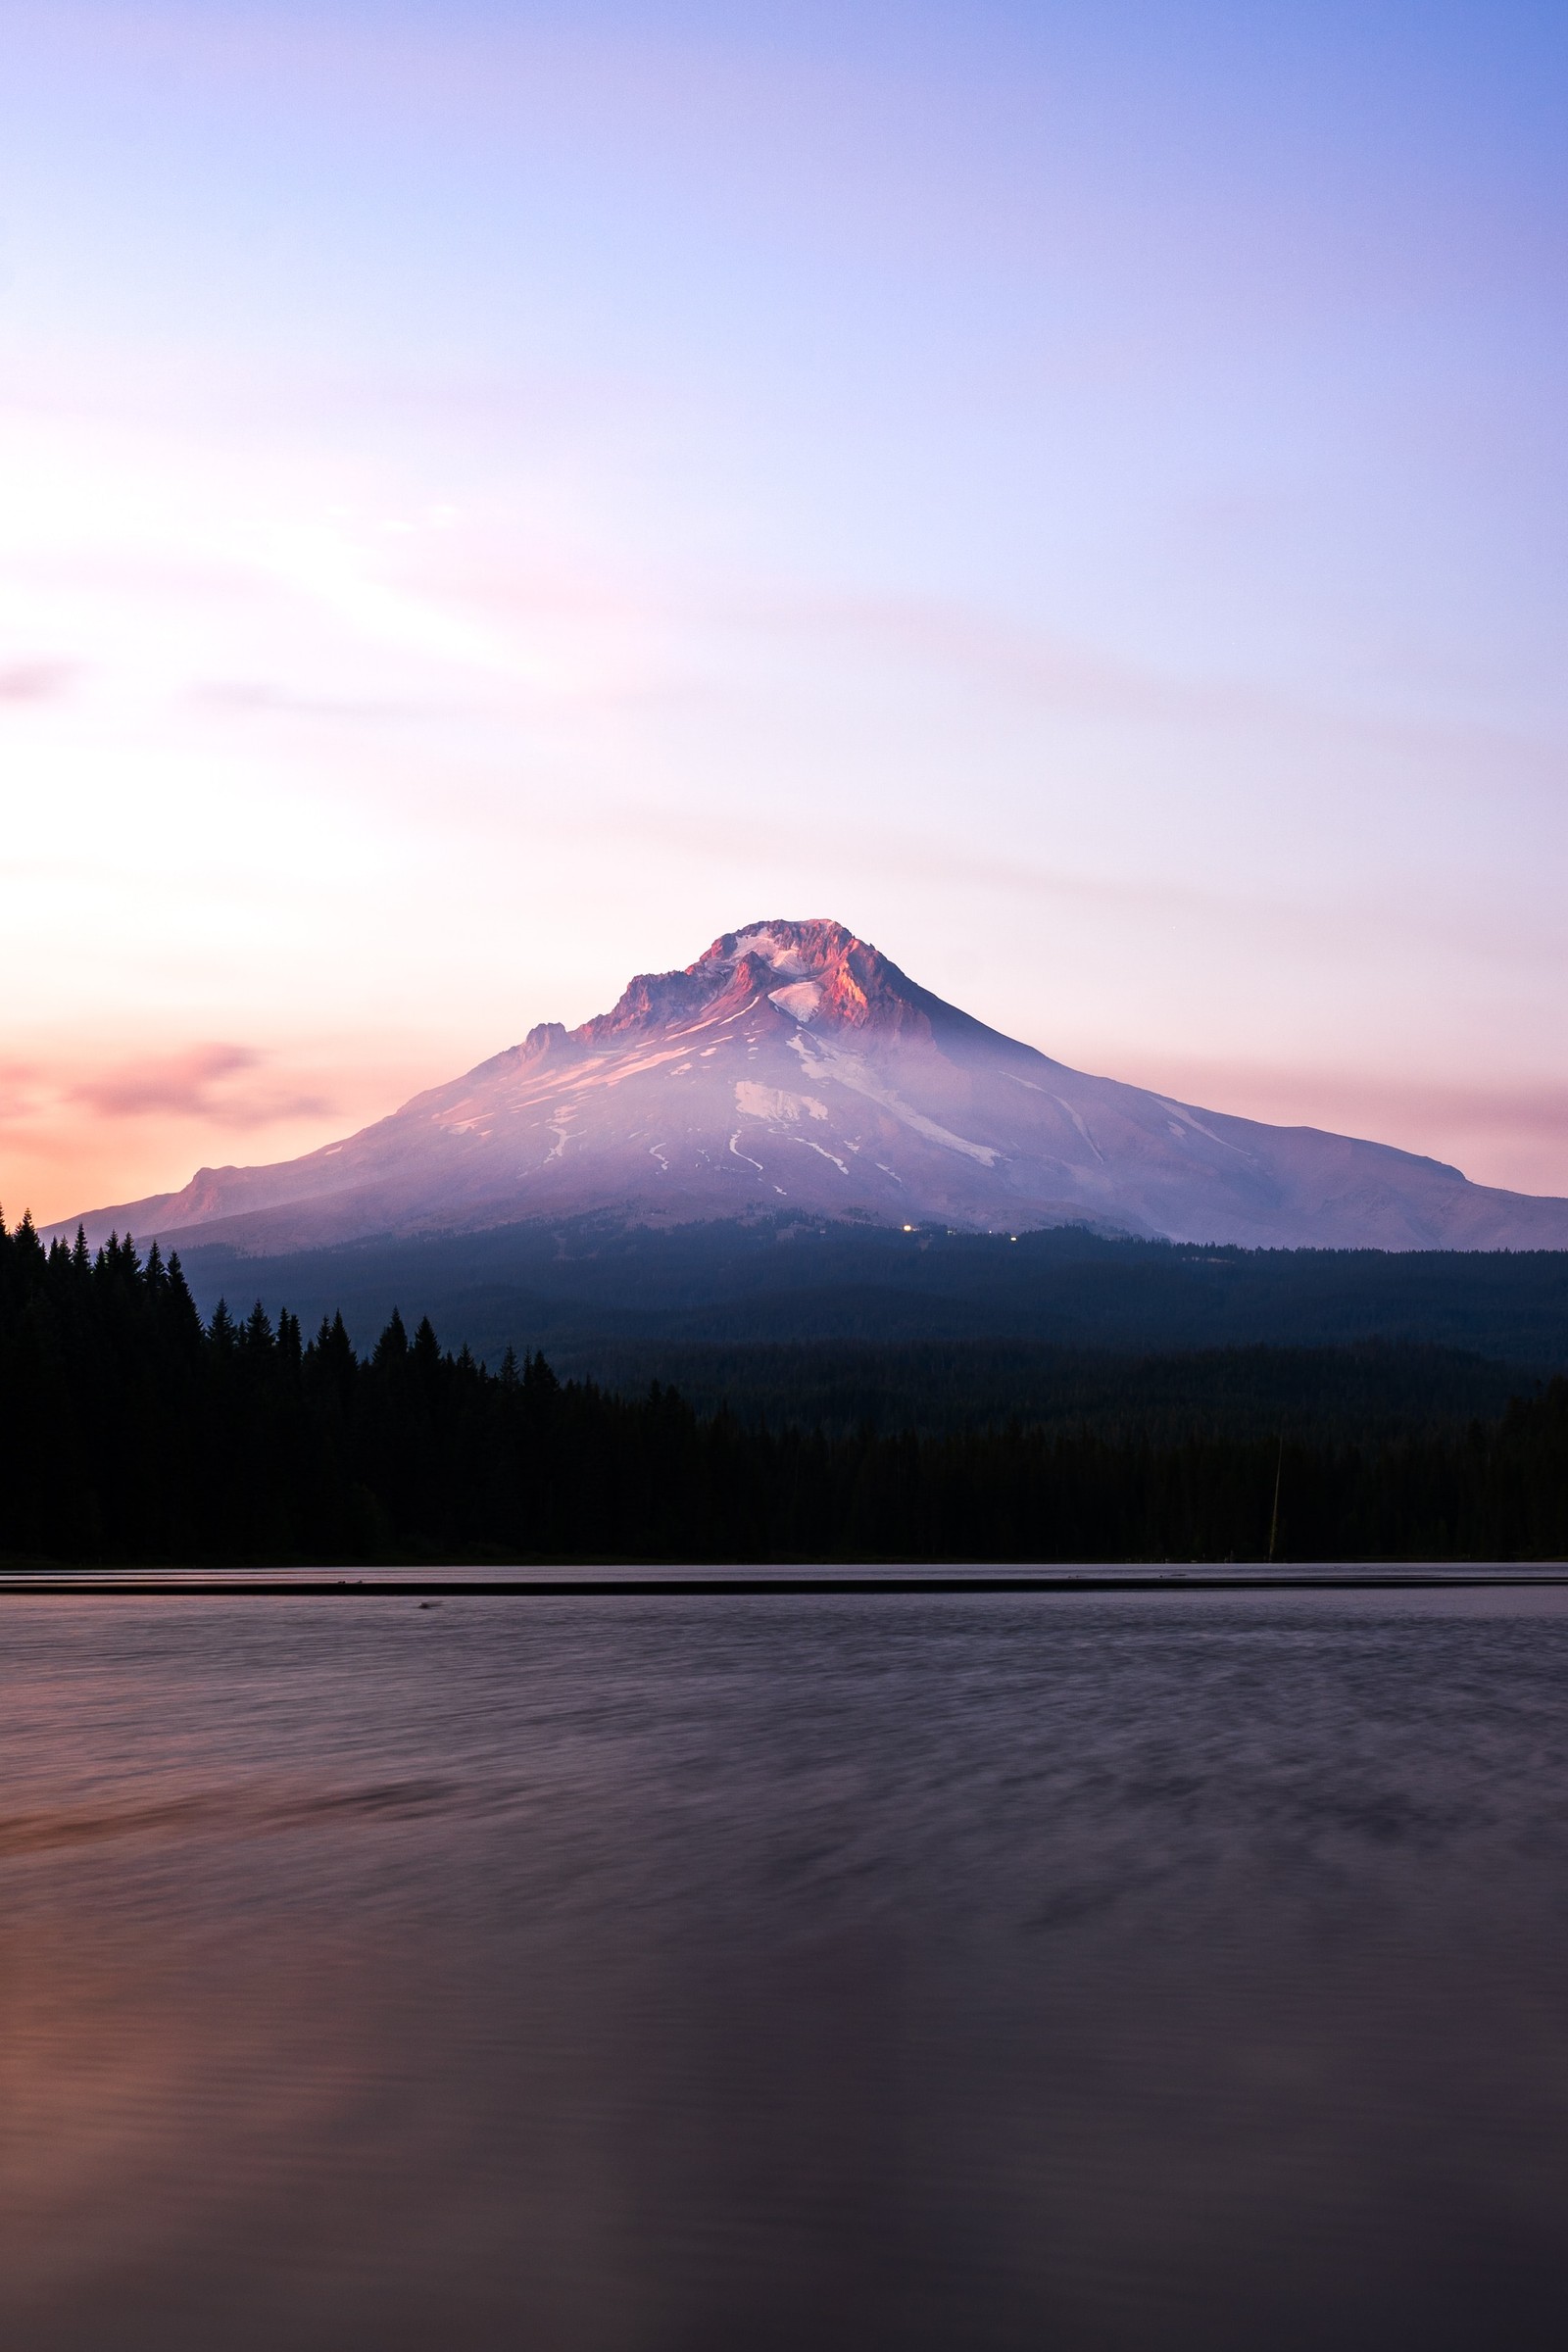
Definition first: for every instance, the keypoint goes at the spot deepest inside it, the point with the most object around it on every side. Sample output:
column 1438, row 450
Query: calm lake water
column 1179, row 1971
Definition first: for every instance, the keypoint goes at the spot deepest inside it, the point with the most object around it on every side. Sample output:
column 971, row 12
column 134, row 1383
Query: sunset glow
column 492, row 497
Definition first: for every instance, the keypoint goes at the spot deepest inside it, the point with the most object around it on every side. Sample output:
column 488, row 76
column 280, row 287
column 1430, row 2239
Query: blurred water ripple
column 1103, row 1971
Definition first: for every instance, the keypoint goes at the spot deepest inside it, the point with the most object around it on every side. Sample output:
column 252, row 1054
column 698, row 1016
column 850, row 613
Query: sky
column 494, row 495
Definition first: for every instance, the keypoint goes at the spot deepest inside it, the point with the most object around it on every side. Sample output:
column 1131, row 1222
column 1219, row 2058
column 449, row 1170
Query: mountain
column 794, row 1069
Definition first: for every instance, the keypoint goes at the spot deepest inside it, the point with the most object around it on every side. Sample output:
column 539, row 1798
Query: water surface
column 1110, row 1971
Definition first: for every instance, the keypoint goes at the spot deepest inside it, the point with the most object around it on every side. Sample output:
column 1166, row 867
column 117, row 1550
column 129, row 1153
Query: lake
column 1172, row 1970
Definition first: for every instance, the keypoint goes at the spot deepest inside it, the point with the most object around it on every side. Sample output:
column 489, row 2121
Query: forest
column 135, row 1432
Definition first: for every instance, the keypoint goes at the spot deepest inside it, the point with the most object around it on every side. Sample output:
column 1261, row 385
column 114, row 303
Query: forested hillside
column 134, row 1432
column 589, row 1285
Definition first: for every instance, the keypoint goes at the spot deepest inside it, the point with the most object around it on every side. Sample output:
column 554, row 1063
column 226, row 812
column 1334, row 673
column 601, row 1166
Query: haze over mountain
column 793, row 1067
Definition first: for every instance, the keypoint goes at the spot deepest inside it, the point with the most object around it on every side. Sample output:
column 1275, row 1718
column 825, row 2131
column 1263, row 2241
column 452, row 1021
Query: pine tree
column 256, row 1339
column 392, row 1347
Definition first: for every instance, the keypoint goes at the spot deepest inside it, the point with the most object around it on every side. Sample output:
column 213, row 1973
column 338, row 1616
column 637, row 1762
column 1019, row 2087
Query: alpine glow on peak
column 793, row 1067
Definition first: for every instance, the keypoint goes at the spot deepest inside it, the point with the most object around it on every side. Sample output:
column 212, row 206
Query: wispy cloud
column 193, row 1083
column 184, row 1083
column 248, row 698
column 37, row 681
column 196, row 1083
column 1076, row 678
column 223, row 1082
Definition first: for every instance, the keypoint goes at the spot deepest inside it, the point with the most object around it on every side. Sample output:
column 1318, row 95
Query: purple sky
column 491, row 496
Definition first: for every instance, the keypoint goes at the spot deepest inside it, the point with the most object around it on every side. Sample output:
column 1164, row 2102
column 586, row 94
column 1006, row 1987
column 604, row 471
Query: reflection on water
column 1102, row 1972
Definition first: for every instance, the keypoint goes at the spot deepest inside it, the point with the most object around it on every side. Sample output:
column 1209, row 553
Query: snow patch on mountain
column 800, row 999
column 852, row 1069
column 773, row 1104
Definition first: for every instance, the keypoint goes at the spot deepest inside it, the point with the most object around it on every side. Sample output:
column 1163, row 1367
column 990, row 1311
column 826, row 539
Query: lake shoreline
column 633, row 1583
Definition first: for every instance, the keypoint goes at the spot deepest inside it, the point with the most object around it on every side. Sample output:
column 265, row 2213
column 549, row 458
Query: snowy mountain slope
column 793, row 1067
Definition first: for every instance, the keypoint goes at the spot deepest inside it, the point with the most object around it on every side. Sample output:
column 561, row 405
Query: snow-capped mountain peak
column 811, row 971
column 793, row 1066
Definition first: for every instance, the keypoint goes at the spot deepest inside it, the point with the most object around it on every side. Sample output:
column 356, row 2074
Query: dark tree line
column 128, row 1431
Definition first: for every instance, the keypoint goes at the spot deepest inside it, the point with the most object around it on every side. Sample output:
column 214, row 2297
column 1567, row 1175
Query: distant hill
column 793, row 1070
column 593, row 1290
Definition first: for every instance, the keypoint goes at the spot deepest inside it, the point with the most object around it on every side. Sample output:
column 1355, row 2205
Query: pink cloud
column 35, row 681
column 192, row 1085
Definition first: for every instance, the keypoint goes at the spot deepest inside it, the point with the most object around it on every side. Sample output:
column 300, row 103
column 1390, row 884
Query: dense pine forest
column 134, row 1432
column 593, row 1287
